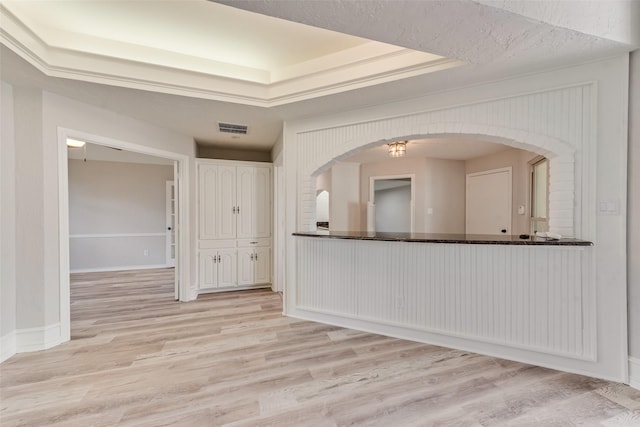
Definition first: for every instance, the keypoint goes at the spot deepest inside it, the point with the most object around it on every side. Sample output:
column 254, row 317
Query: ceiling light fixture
column 75, row 143
column 398, row 149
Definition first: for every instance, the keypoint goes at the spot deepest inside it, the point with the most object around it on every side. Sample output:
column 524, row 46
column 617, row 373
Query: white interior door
column 488, row 202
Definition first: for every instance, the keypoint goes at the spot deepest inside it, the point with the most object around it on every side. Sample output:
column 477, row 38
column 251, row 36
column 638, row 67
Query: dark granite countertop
column 482, row 239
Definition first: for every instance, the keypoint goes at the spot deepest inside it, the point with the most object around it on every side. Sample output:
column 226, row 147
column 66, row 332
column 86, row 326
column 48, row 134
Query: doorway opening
column 391, row 208
column 539, row 179
column 181, row 220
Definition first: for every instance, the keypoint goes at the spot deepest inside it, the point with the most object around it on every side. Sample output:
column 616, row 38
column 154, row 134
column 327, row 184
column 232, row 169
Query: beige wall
column 7, row 219
column 323, row 181
column 445, row 195
column 439, row 185
column 518, row 160
column 110, row 198
column 633, row 231
column 206, row 152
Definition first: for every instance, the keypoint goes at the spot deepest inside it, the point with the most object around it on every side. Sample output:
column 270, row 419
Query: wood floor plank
column 139, row 358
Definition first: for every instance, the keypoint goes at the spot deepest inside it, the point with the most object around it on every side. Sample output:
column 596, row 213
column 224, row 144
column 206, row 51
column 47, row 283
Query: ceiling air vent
column 231, row 128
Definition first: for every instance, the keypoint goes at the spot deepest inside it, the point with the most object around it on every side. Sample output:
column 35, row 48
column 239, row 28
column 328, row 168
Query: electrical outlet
column 146, row 252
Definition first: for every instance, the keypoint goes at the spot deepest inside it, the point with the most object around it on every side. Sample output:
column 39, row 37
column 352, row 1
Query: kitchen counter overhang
column 482, row 239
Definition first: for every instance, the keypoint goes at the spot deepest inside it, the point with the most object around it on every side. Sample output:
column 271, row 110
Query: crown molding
column 359, row 67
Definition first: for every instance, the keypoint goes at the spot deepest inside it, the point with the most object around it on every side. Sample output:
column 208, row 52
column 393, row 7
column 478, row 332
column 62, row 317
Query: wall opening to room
column 441, row 167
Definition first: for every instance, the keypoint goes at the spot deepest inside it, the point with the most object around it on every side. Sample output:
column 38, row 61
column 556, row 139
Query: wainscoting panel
column 534, row 298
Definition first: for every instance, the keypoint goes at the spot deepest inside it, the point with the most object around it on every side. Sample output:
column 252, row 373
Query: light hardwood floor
column 138, row 358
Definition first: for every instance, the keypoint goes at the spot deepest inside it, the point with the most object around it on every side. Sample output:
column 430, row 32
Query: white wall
column 576, row 115
column 38, row 117
column 322, row 206
column 116, row 212
column 518, row 160
column 7, row 225
column 344, row 197
column 633, row 236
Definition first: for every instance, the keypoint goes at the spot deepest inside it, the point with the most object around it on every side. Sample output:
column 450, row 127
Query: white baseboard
column 7, row 346
column 119, row 268
column 634, row 372
column 35, row 339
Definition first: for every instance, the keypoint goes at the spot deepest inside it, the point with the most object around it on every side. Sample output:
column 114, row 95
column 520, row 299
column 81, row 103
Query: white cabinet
column 234, row 224
column 254, row 266
column 218, row 268
column 217, row 202
column 254, row 202
column 234, row 201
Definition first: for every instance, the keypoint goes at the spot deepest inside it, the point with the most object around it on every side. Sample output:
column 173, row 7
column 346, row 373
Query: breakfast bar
column 527, row 298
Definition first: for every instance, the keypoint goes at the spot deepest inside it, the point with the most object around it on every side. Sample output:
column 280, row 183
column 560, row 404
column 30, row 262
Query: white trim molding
column 209, row 79
column 7, row 345
column 115, row 235
column 634, row 372
column 35, row 339
column 120, row 268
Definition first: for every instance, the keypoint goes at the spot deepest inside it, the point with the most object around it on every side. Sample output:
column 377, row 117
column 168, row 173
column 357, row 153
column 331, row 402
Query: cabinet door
column 207, row 189
column 208, row 269
column 254, row 200
column 262, row 202
column 225, row 210
column 246, row 201
column 227, row 268
column 245, row 266
column 262, row 265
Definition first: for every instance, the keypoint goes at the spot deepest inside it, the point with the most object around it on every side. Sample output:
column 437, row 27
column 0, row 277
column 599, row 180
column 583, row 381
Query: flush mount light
column 75, row 143
column 398, row 149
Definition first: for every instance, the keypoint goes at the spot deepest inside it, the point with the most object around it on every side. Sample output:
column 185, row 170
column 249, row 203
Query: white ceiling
column 435, row 148
column 115, row 54
column 198, row 29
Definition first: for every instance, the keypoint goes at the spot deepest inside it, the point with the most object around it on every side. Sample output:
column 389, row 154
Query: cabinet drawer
column 216, row 244
column 254, row 243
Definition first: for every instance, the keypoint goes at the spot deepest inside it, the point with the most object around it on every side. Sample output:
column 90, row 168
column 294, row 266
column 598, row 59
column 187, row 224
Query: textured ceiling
column 496, row 39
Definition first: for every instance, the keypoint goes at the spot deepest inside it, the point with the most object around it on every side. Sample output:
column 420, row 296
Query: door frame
column 169, row 211
column 183, row 265
column 371, row 205
column 507, row 169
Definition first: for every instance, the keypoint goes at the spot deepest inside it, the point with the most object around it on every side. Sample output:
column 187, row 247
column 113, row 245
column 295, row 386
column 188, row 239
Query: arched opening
column 322, row 209
column 446, row 169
